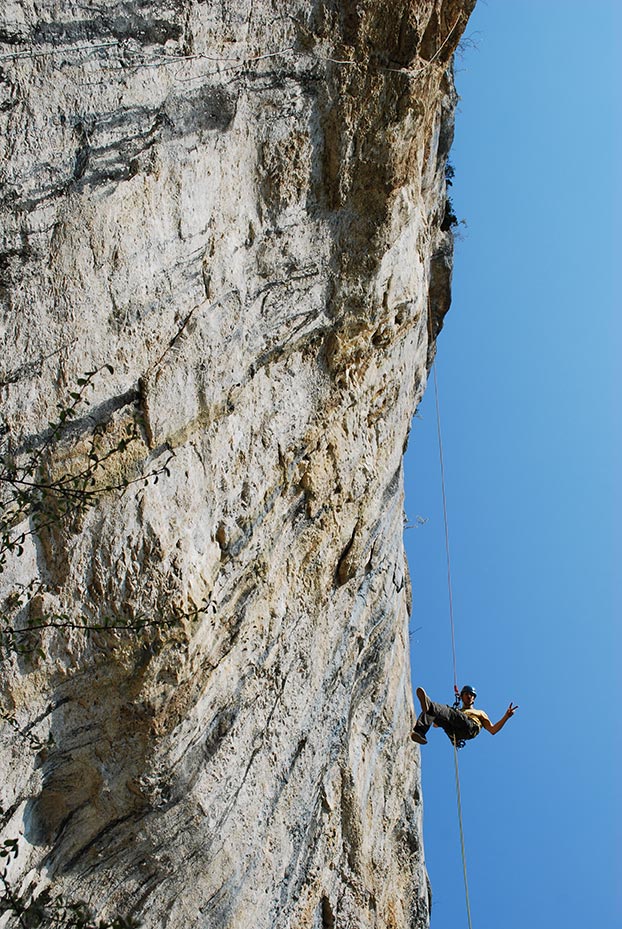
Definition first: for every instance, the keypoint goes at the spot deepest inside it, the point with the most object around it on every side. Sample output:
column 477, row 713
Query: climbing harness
column 457, row 743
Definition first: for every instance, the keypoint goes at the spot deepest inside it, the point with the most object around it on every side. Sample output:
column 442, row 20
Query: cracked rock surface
column 240, row 208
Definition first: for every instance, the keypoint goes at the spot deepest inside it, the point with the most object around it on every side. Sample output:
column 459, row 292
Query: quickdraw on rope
column 457, row 743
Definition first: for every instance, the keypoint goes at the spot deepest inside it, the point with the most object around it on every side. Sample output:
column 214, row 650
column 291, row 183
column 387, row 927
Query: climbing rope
column 446, row 523
column 462, row 848
column 453, row 645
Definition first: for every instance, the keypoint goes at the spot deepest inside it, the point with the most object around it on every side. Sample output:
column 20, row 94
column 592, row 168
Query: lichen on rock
column 223, row 273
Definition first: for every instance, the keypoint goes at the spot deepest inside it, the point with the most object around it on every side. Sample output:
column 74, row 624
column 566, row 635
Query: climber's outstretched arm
column 494, row 729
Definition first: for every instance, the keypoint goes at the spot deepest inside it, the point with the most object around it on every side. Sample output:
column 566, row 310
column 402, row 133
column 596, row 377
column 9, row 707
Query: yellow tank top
column 478, row 716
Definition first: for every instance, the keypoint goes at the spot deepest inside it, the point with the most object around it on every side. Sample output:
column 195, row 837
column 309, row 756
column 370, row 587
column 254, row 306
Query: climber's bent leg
column 452, row 721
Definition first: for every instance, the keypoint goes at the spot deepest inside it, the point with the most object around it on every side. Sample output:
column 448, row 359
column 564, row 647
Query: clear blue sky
column 529, row 369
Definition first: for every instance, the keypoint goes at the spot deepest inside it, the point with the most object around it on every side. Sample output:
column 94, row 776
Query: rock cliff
column 225, row 260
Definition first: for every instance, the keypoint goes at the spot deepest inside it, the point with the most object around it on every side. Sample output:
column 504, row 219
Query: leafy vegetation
column 47, row 910
column 450, row 221
column 53, row 486
column 36, row 495
column 30, row 492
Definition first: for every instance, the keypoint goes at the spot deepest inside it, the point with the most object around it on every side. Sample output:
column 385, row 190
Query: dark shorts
column 452, row 721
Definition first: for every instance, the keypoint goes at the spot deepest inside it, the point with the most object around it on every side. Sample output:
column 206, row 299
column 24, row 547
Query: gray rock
column 237, row 207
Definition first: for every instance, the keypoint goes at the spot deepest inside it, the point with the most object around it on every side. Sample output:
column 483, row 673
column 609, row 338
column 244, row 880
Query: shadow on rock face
column 72, row 790
column 91, row 779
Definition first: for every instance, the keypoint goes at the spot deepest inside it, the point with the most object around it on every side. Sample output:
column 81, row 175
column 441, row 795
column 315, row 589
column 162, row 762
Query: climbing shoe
column 416, row 737
column 424, row 700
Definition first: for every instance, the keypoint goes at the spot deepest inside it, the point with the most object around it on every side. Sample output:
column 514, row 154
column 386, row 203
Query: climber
column 460, row 725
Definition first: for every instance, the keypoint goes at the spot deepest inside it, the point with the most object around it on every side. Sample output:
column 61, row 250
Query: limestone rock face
column 238, row 208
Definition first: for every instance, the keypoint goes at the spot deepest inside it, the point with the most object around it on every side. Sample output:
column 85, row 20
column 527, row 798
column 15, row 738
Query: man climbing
column 460, row 725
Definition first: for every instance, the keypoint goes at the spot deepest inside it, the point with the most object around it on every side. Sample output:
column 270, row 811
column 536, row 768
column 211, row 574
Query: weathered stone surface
column 239, row 208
